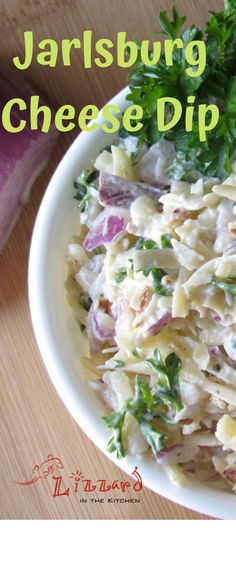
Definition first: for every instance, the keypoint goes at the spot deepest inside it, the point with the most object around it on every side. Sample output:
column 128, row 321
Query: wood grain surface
column 33, row 420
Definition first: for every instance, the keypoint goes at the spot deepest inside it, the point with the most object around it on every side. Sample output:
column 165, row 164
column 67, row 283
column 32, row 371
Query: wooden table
column 33, row 420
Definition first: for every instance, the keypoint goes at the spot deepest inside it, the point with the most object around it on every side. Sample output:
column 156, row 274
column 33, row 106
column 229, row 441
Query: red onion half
column 23, row 155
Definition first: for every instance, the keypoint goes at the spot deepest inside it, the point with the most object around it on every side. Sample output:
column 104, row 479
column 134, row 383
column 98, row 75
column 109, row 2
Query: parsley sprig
column 149, row 404
column 149, row 83
column 169, row 384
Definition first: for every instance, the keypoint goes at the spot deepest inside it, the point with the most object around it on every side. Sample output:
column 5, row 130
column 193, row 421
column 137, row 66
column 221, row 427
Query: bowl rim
column 195, row 496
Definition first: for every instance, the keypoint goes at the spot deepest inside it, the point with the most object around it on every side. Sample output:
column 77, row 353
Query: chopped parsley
column 120, row 275
column 143, row 244
column 157, row 276
column 135, row 354
column 165, row 241
column 119, row 364
column 82, row 185
column 149, row 404
column 226, row 286
column 85, row 301
column 142, row 407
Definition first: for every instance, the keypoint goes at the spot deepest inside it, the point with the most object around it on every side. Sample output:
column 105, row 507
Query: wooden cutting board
column 33, row 421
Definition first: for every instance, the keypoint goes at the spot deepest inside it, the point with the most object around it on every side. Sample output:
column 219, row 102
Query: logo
column 51, row 469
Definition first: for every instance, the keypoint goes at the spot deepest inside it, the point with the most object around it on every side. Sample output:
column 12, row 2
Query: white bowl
column 58, row 335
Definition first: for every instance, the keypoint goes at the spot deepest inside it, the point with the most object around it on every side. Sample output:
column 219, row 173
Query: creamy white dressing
column 179, row 310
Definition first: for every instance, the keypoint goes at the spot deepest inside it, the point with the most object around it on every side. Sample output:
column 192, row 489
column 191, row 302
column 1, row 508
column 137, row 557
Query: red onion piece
column 22, row 156
column 230, row 474
column 103, row 325
column 165, row 453
column 225, row 358
column 100, row 326
column 153, row 166
column 160, row 323
column 107, row 228
column 120, row 192
column 216, row 317
column 215, row 351
column 177, row 453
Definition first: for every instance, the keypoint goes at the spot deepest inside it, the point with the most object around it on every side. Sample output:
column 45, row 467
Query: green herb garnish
column 170, row 392
column 146, row 272
column 143, row 244
column 85, row 301
column 154, row 438
column 143, row 408
column 157, row 276
column 166, row 241
column 148, row 83
column 149, row 404
column 82, row 185
column 135, row 354
column 226, row 286
column 116, row 422
column 118, row 364
column 120, row 275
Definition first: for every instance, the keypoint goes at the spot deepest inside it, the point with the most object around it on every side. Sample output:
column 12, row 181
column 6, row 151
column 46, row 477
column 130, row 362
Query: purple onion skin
column 105, row 231
column 215, row 352
column 120, row 192
column 23, row 155
column 167, row 450
column 101, row 333
column 163, row 321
